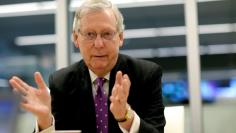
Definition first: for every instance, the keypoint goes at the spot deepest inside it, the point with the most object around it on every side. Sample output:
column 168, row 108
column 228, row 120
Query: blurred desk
column 26, row 123
column 174, row 119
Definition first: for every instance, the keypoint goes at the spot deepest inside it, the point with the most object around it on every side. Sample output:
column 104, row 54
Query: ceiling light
column 35, row 40
column 24, row 9
column 48, row 7
column 178, row 30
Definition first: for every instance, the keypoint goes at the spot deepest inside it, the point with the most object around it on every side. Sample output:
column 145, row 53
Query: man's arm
column 120, row 93
column 50, row 129
column 35, row 100
column 153, row 119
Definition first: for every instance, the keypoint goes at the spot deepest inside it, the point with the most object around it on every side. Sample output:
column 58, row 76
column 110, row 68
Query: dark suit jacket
column 72, row 98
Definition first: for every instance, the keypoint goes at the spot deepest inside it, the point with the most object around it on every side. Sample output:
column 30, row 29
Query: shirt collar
column 93, row 76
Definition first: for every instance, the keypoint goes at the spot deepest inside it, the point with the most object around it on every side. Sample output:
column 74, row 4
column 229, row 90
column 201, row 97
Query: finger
column 21, row 83
column 120, row 95
column 126, row 84
column 118, row 78
column 39, row 81
column 114, row 90
column 117, row 84
column 115, row 100
column 15, row 91
column 123, row 90
column 17, row 86
column 13, row 85
column 112, row 98
column 24, row 99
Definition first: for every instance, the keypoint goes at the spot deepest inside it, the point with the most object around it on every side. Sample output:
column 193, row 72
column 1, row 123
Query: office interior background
column 155, row 31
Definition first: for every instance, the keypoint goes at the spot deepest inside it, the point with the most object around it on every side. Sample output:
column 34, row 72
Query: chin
column 99, row 66
column 100, row 70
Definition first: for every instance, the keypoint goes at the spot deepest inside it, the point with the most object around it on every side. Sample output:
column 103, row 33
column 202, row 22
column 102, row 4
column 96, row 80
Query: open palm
column 34, row 100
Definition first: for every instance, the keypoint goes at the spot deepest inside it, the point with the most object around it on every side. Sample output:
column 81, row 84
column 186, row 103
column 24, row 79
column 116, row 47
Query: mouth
column 99, row 56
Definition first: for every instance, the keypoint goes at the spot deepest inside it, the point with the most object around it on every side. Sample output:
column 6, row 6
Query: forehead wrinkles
column 88, row 14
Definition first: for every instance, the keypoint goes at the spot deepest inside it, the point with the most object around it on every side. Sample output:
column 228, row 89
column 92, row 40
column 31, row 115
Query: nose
column 98, row 42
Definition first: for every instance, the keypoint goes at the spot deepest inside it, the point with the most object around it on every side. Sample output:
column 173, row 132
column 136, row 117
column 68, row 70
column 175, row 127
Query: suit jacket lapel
column 120, row 66
column 85, row 88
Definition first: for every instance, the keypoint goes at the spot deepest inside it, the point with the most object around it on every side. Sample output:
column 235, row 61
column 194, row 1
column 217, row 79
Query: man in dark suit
column 131, row 87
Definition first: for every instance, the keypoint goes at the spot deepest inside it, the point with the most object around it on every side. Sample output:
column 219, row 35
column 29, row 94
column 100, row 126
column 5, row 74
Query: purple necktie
column 101, row 108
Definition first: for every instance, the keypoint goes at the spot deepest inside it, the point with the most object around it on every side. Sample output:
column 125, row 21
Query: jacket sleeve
column 153, row 120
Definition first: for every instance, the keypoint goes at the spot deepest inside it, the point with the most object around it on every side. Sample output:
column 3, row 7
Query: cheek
column 85, row 52
column 117, row 48
column 112, row 51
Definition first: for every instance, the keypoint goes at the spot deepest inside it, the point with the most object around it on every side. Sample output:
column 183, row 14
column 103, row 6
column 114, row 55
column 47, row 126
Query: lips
column 99, row 55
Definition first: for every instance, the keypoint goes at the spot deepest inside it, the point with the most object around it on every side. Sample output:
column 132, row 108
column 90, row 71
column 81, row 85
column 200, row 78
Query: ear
column 121, row 37
column 75, row 39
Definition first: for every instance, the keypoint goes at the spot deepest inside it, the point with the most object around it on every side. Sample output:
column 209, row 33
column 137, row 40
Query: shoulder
column 140, row 65
column 67, row 70
column 68, row 73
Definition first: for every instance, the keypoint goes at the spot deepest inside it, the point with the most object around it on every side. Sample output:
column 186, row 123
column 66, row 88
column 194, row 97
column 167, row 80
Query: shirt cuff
column 50, row 129
column 135, row 125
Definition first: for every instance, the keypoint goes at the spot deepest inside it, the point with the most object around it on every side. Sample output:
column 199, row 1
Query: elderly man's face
column 99, row 41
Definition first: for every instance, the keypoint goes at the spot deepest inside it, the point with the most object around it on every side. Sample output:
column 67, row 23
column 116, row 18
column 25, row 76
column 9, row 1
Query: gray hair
column 96, row 5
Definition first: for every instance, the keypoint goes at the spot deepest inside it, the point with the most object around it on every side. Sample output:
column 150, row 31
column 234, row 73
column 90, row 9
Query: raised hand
column 34, row 100
column 120, row 93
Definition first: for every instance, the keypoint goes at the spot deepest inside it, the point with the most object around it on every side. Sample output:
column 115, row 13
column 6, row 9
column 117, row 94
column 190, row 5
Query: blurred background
column 155, row 31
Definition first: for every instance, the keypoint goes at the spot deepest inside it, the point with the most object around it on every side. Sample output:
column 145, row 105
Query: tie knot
column 100, row 81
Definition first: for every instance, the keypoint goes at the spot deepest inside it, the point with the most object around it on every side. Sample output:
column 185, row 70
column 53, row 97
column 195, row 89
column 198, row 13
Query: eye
column 108, row 34
column 90, row 34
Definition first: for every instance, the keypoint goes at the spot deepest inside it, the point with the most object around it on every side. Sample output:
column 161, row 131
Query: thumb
column 39, row 81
